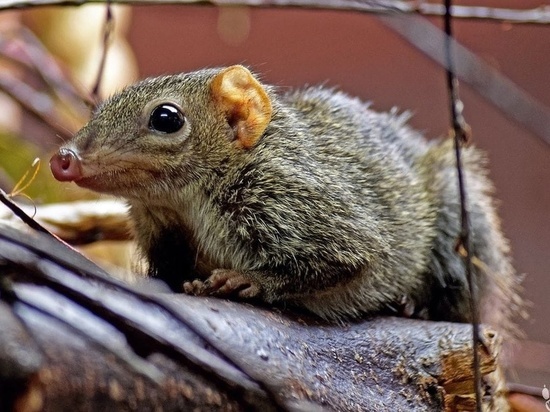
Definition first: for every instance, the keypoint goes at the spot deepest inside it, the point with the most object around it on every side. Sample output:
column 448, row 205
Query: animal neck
column 192, row 213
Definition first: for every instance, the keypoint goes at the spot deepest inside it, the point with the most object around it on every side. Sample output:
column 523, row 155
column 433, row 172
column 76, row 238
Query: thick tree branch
column 85, row 340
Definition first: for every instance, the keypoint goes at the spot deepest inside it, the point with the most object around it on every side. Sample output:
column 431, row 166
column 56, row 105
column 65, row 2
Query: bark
column 75, row 339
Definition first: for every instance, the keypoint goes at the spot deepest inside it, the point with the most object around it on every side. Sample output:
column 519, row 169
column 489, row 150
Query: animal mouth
column 119, row 181
column 104, row 181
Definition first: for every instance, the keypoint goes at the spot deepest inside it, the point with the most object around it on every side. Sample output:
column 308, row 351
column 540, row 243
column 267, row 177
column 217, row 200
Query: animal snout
column 66, row 166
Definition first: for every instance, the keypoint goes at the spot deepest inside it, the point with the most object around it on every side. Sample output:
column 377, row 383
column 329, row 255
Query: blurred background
column 292, row 48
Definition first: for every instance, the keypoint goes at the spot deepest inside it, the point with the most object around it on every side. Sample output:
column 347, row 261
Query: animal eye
column 166, row 118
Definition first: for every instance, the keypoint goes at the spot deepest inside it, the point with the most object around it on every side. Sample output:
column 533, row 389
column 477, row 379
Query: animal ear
column 245, row 103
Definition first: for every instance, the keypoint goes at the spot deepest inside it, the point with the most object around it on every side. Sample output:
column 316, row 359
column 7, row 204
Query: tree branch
column 497, row 89
column 84, row 339
column 538, row 15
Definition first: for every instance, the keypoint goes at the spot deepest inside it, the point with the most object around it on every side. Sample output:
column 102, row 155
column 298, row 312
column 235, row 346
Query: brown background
column 361, row 56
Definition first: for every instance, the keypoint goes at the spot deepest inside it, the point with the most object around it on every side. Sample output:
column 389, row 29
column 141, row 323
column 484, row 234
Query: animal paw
column 193, row 288
column 406, row 307
column 228, row 283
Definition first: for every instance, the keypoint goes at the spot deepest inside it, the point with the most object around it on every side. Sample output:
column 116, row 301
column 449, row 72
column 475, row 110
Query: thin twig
column 501, row 92
column 45, row 65
column 24, row 49
column 39, row 104
column 108, row 30
column 513, row 387
column 460, row 130
column 538, row 15
column 33, row 224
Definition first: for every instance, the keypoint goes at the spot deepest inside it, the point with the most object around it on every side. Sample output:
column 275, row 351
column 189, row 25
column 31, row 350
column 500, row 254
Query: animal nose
column 65, row 166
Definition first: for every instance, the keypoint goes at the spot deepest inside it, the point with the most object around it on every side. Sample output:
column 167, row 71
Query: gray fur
column 337, row 209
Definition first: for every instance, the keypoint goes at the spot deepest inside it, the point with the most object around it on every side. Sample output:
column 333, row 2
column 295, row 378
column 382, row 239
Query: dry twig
column 461, row 134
